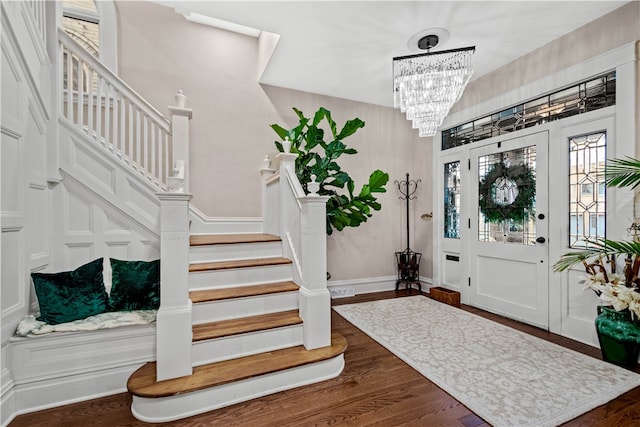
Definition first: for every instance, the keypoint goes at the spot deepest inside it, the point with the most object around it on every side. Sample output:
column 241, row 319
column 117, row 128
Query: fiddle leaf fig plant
column 345, row 208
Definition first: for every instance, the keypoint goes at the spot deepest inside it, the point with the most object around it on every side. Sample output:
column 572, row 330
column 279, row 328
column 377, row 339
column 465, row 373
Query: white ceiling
column 345, row 48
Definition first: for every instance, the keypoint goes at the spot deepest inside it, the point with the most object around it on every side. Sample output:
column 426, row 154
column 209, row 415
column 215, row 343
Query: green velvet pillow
column 71, row 295
column 135, row 285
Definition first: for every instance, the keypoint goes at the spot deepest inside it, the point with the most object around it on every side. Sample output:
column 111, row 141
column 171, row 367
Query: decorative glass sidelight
column 452, row 200
column 507, row 197
column 587, row 190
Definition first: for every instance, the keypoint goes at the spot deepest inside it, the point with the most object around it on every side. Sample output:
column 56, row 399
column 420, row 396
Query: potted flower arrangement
column 617, row 324
column 618, row 321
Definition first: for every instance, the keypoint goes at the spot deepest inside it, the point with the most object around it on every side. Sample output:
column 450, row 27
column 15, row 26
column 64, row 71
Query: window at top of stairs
column 81, row 20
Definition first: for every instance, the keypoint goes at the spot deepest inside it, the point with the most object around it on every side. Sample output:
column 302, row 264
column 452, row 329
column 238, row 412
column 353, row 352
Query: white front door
column 508, row 240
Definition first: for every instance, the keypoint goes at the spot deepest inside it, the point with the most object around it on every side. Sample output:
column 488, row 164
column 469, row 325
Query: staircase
column 241, row 315
column 247, row 333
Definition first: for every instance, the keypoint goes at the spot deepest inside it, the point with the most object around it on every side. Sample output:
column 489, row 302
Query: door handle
column 541, row 239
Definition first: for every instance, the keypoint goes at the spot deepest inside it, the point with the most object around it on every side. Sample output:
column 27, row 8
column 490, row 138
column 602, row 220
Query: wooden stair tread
column 225, row 328
column 239, row 263
column 229, row 239
column 242, row 291
column 143, row 381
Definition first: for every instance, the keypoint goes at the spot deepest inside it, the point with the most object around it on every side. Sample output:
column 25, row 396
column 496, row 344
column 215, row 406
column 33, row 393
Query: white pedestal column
column 173, row 329
column 315, row 300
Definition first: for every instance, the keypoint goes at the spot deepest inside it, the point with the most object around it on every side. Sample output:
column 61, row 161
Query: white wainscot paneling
column 93, row 228
column 119, row 250
column 142, row 202
column 13, row 273
column 78, row 254
column 12, row 99
column 100, row 172
column 7, row 395
column 147, row 249
column 79, row 215
column 37, row 214
column 58, row 369
column 35, row 147
column 451, row 270
column 581, row 305
column 23, row 32
column 12, row 197
column 579, row 309
column 115, row 226
column 66, row 354
column 117, row 237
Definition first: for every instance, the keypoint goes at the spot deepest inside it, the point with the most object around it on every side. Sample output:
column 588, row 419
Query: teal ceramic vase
column 619, row 337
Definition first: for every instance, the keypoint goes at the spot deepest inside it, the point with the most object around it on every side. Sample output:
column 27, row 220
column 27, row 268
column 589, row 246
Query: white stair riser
column 239, row 276
column 187, row 404
column 235, row 251
column 213, row 311
column 235, row 346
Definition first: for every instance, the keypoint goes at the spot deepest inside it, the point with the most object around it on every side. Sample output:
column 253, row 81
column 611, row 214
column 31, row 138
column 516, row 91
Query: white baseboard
column 61, row 391
column 347, row 288
column 7, row 403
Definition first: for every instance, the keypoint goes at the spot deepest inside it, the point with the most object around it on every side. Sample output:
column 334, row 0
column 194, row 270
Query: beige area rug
column 505, row 376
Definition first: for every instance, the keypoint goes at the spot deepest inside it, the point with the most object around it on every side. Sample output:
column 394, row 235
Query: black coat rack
column 408, row 260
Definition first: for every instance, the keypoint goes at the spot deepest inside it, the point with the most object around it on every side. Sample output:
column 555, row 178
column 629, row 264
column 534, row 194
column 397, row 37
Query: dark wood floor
column 375, row 389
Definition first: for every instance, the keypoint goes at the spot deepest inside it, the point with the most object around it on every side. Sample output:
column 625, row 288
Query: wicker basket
column 446, row 296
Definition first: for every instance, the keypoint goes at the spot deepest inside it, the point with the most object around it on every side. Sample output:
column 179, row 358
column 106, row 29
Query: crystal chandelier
column 427, row 85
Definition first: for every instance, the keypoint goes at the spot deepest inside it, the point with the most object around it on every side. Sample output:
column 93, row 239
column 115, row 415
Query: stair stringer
column 125, row 189
column 100, row 208
column 202, row 224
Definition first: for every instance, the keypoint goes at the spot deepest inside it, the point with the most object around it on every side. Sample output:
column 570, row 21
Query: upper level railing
column 104, row 107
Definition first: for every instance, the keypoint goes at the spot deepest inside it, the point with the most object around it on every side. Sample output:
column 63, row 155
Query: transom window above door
column 589, row 95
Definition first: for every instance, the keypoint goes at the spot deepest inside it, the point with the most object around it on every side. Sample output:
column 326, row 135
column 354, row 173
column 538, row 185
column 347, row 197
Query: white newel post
column 173, row 326
column 180, row 117
column 315, row 299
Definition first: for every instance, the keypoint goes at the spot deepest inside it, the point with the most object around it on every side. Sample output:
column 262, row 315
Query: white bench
column 63, row 367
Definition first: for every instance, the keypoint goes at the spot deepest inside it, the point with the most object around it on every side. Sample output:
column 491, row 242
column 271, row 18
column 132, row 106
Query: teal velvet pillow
column 135, row 285
column 71, row 295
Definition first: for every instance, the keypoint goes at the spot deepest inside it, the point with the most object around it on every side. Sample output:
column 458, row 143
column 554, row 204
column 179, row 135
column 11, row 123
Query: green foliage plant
column 345, row 208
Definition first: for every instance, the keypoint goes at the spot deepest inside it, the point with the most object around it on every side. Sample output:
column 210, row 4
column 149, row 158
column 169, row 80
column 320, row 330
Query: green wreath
column 519, row 209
